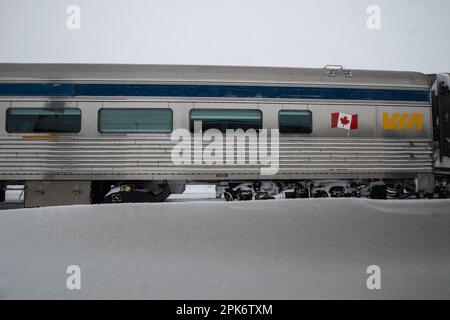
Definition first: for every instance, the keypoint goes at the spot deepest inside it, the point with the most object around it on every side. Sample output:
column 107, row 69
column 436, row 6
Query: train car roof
column 133, row 73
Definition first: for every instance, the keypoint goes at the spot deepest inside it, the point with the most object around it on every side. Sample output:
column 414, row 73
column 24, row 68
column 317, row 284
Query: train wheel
column 137, row 196
column 228, row 196
column 429, row 195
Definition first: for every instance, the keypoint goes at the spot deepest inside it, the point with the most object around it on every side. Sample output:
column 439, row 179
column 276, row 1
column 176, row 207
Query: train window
column 223, row 119
column 135, row 120
column 34, row 120
column 292, row 121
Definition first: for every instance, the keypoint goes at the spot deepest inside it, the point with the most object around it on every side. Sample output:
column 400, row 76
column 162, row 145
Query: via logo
column 402, row 121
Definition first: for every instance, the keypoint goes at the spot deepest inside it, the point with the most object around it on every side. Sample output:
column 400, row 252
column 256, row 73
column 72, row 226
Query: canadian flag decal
column 344, row 120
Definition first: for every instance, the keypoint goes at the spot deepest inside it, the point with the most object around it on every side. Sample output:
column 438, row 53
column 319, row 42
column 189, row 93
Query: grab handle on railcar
column 332, row 68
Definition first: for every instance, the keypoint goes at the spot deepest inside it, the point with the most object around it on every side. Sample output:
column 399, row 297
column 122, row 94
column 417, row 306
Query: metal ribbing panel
column 151, row 155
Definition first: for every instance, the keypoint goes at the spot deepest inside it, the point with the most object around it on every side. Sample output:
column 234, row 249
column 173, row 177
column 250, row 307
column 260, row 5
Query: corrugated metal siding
column 150, row 157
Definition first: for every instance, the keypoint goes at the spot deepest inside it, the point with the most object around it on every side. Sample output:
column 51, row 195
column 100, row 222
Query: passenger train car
column 79, row 133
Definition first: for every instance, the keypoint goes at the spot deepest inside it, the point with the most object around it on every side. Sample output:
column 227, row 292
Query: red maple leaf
column 344, row 120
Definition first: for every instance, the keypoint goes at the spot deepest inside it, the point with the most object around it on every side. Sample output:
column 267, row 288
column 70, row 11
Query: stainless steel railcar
column 62, row 141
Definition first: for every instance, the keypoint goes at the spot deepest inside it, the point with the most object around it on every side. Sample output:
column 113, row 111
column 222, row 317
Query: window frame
column 40, row 132
column 191, row 129
column 133, row 108
column 295, row 110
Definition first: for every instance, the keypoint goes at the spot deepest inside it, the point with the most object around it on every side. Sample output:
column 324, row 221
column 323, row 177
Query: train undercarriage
column 47, row 193
column 281, row 189
column 377, row 189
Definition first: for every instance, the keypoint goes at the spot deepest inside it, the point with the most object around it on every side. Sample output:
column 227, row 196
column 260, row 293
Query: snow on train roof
column 124, row 73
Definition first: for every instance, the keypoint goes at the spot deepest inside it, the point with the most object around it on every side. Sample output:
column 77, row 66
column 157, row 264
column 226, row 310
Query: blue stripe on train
column 35, row 89
column 211, row 91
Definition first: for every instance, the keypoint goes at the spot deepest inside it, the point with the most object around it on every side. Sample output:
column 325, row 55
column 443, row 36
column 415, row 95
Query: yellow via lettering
column 404, row 121
column 389, row 124
column 415, row 119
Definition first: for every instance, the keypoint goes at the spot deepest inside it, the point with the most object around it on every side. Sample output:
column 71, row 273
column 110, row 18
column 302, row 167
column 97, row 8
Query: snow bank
column 195, row 192
column 289, row 249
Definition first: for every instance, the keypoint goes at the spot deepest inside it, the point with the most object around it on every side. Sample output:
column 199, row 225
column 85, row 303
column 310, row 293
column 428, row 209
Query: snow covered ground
column 287, row 249
column 195, row 192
